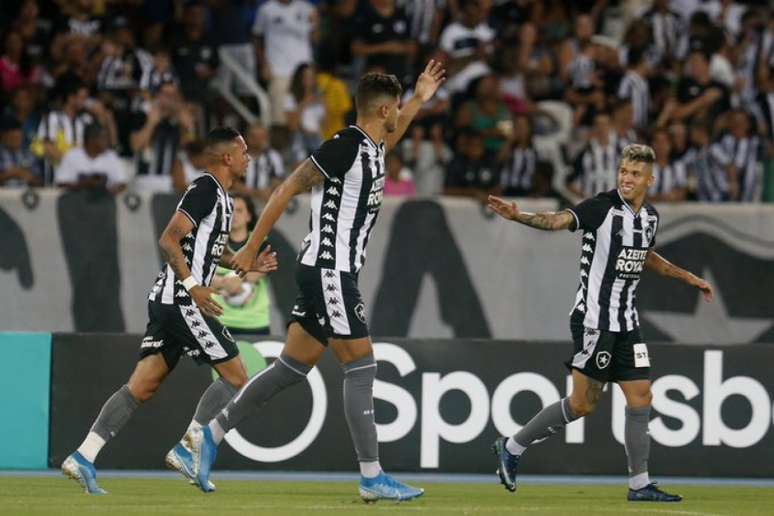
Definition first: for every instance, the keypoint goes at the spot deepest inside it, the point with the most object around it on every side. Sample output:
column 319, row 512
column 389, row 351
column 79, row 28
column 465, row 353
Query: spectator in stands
column 425, row 19
column 520, row 160
column 634, row 88
column 305, row 112
column 195, row 56
column 381, row 38
column 265, row 171
column 428, row 158
column 472, row 173
column 15, row 67
column 707, row 166
column 159, row 130
column 63, row 129
column 245, row 302
column 670, row 180
column 623, row 123
column 596, row 167
column 80, row 18
column 668, row 29
column 35, row 31
column 466, row 46
column 741, row 151
column 399, row 181
column 578, row 69
column 232, row 28
column 159, row 72
column 285, row 31
column 18, row 166
column 336, row 99
column 697, row 94
column 487, row 114
column 95, row 167
column 22, row 107
column 122, row 66
column 531, row 61
column 189, row 165
column 679, row 140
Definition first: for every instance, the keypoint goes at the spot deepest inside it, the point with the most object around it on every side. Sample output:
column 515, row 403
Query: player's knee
column 144, row 391
column 237, row 380
column 643, row 399
column 582, row 407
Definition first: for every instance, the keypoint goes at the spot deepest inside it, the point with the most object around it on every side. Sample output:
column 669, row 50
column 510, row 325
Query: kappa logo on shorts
column 603, row 359
column 360, row 312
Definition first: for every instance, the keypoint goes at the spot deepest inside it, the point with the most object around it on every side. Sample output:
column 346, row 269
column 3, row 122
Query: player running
column 346, row 176
column 181, row 313
column 619, row 233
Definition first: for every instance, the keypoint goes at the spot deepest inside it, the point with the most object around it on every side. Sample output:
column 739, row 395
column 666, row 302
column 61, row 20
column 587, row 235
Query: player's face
column 634, row 179
column 391, row 122
column 239, row 158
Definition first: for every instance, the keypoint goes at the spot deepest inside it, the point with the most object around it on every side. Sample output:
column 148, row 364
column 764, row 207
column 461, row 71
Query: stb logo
column 603, row 359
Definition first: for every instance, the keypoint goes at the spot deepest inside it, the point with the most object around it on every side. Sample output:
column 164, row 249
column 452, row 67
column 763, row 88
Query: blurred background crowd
column 541, row 96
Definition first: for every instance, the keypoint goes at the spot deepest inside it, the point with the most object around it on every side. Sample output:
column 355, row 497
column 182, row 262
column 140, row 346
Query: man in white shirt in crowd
column 285, row 30
column 94, row 167
column 466, row 45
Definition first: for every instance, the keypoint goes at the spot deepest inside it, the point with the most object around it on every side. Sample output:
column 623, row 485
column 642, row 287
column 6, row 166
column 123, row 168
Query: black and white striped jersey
column 596, row 168
column 210, row 208
column 346, row 204
column 668, row 178
column 59, row 128
column 263, row 168
column 705, row 165
column 516, row 176
column 744, row 155
column 615, row 243
column 635, row 88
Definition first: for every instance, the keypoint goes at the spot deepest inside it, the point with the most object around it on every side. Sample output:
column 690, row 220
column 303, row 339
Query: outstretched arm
column 658, row 264
column 303, row 179
column 426, row 86
column 546, row 221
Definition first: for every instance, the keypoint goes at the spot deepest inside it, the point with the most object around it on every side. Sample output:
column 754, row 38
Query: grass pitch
column 59, row 496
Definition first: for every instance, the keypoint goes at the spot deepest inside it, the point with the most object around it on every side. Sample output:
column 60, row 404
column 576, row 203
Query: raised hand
column 507, row 210
column 430, row 80
column 265, row 262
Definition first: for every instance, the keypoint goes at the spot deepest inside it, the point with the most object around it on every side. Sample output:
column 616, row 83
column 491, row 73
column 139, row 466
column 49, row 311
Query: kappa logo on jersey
column 603, row 359
column 360, row 312
column 630, row 262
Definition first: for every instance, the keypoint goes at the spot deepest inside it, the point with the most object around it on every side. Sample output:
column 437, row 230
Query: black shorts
column 329, row 304
column 609, row 356
column 174, row 330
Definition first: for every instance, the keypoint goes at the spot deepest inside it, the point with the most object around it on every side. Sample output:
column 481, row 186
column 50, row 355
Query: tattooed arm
column 176, row 230
column 658, row 264
column 303, row 179
column 547, row 221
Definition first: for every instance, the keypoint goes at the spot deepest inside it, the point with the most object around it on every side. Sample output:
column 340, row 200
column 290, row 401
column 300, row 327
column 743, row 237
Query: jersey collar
column 217, row 183
column 625, row 202
column 365, row 134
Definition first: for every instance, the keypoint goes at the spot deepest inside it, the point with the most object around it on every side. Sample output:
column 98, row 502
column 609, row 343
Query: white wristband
column 190, row 283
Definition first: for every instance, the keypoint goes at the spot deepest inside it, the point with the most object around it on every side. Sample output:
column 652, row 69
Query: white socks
column 217, row 431
column 370, row 469
column 639, row 481
column 91, row 446
column 513, row 447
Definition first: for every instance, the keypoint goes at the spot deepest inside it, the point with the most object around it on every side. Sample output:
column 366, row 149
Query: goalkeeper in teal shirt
column 245, row 302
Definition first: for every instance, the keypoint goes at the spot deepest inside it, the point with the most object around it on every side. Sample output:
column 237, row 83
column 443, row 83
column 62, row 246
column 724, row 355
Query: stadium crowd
column 541, row 96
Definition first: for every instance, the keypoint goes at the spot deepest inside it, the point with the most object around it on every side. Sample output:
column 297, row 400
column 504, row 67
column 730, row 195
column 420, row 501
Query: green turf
column 59, row 496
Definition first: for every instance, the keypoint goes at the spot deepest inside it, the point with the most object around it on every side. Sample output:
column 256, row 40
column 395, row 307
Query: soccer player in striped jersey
column 182, row 315
column 346, row 176
column 619, row 233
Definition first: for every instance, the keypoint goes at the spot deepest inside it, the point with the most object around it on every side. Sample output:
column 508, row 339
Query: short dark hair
column 374, row 85
column 221, row 135
column 92, row 131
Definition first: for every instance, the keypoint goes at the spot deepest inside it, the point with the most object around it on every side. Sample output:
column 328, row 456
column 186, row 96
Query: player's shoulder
column 204, row 184
column 651, row 210
column 352, row 135
column 607, row 199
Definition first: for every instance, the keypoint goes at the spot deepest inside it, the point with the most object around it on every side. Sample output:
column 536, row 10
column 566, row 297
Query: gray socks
column 217, row 396
column 115, row 413
column 359, row 407
column 637, row 443
column 282, row 373
column 547, row 422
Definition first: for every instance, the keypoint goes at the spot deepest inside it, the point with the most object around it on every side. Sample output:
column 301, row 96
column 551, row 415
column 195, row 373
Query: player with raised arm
column 346, row 176
column 181, row 313
column 619, row 234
